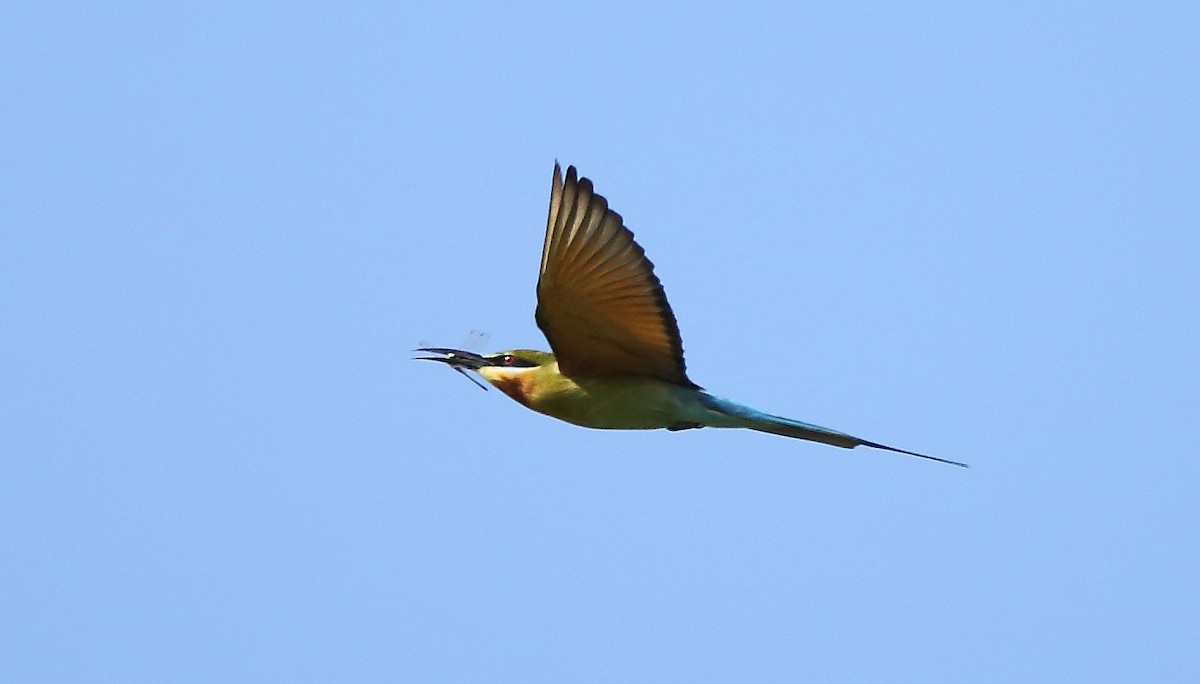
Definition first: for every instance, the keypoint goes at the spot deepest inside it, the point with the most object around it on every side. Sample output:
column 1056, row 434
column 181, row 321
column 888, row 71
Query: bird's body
column 612, row 403
column 618, row 358
column 640, row 404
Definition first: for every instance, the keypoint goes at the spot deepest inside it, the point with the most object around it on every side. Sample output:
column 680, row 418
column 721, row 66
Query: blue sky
column 968, row 231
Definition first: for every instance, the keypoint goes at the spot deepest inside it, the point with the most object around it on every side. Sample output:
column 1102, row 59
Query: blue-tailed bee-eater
column 618, row 358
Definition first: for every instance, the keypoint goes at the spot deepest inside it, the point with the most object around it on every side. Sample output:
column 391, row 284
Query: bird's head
column 500, row 368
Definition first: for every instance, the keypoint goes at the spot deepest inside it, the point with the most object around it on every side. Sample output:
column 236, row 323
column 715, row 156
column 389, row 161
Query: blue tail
column 778, row 425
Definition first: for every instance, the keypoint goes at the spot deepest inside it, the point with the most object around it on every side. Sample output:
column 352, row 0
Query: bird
column 617, row 360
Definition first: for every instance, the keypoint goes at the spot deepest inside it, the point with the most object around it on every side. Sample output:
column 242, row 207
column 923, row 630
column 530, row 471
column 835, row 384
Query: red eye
column 507, row 360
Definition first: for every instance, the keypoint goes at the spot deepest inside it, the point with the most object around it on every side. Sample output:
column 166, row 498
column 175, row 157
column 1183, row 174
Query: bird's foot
column 684, row 426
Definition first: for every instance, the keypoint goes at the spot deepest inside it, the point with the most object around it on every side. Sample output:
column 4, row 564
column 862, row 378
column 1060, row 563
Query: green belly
column 617, row 403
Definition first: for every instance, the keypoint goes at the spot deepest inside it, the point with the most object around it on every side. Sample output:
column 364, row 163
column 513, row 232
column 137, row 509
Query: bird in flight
column 617, row 362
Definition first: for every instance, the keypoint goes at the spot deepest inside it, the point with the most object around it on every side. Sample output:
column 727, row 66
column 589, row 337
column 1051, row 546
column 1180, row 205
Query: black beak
column 461, row 361
column 455, row 358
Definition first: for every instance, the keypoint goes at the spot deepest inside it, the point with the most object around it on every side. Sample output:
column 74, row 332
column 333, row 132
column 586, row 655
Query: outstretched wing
column 600, row 305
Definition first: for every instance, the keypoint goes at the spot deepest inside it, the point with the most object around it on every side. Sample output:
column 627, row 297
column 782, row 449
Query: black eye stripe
column 510, row 361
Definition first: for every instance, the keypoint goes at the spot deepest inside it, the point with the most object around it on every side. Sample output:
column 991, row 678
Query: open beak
column 461, row 361
column 453, row 357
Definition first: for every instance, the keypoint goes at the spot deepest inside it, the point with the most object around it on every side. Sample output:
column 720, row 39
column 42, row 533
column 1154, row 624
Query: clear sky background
column 971, row 231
